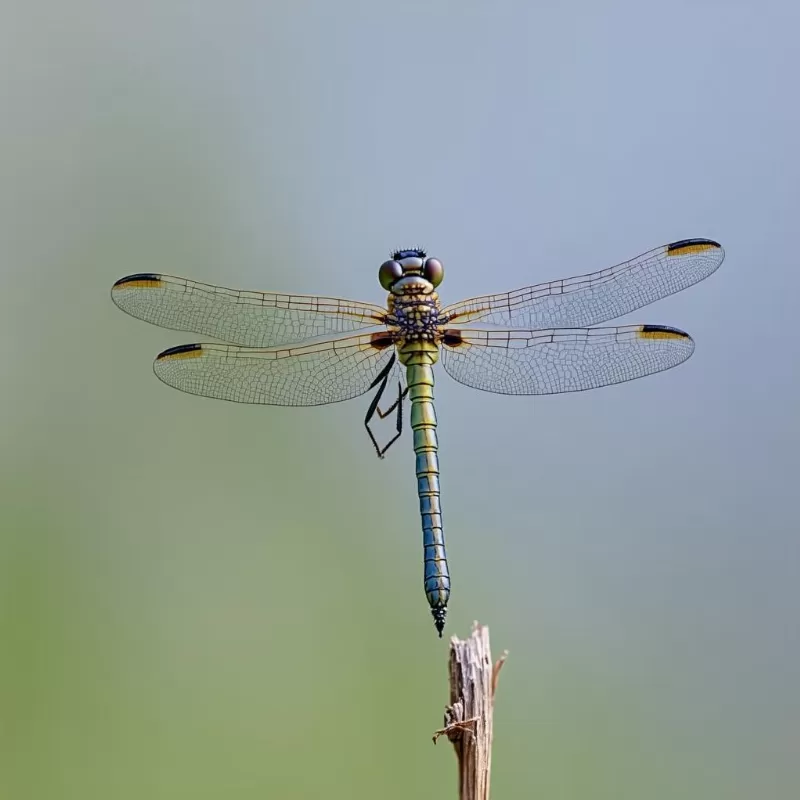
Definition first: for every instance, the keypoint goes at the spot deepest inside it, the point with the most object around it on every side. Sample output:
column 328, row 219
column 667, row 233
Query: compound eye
column 433, row 271
column 389, row 272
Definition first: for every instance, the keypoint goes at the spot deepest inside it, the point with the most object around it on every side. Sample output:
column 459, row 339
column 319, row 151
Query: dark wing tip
column 149, row 279
column 181, row 351
column 662, row 332
column 693, row 244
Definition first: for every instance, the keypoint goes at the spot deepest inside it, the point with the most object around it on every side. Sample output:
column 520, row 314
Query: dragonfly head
column 411, row 271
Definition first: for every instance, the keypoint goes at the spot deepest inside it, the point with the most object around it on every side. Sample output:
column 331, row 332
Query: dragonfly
column 304, row 350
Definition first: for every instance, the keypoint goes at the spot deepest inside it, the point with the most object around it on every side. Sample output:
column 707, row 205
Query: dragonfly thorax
column 415, row 315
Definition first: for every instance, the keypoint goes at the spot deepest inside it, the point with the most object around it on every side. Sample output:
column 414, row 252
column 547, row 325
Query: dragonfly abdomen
column 419, row 376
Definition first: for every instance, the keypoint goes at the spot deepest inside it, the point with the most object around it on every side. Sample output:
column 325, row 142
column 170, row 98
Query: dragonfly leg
column 398, row 404
column 401, row 393
column 374, row 407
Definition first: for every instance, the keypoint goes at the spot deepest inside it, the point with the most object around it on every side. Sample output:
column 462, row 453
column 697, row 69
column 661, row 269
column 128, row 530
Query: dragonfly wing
column 562, row 359
column 252, row 319
column 598, row 297
column 307, row 375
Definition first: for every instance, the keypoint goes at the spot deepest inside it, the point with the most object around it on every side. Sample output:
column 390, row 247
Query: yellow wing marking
column 181, row 351
column 688, row 247
column 661, row 332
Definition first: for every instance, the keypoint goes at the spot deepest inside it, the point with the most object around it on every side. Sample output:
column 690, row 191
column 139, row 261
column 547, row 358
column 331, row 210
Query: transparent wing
column 600, row 296
column 308, row 375
column 560, row 360
column 252, row 319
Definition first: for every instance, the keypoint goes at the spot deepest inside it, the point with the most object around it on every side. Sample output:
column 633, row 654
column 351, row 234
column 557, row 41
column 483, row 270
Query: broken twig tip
column 468, row 717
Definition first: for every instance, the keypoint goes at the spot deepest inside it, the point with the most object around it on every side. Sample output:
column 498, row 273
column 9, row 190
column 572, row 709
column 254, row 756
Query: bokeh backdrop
column 205, row 600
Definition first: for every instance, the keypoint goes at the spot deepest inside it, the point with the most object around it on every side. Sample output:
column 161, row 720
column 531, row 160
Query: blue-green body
column 415, row 319
column 419, row 375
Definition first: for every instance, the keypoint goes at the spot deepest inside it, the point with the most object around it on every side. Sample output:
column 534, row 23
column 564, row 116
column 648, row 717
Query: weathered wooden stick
column 468, row 717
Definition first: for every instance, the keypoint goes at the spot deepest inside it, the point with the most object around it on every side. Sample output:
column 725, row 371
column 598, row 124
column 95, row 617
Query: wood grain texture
column 468, row 718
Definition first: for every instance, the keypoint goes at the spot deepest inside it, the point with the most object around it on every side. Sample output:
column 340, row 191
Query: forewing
column 597, row 297
column 309, row 375
column 251, row 319
column 534, row 362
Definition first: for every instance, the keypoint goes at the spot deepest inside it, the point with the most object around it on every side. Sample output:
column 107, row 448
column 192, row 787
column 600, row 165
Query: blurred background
column 182, row 580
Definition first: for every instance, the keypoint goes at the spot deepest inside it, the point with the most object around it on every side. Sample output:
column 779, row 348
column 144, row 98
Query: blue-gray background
column 199, row 599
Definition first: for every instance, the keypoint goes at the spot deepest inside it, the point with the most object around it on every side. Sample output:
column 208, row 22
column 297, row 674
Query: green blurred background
column 199, row 599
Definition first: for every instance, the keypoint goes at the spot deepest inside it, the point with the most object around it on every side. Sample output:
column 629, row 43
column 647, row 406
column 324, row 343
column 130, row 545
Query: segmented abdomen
column 419, row 376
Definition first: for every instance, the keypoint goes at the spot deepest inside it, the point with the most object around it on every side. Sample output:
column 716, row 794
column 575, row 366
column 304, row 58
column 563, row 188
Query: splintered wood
column 468, row 717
